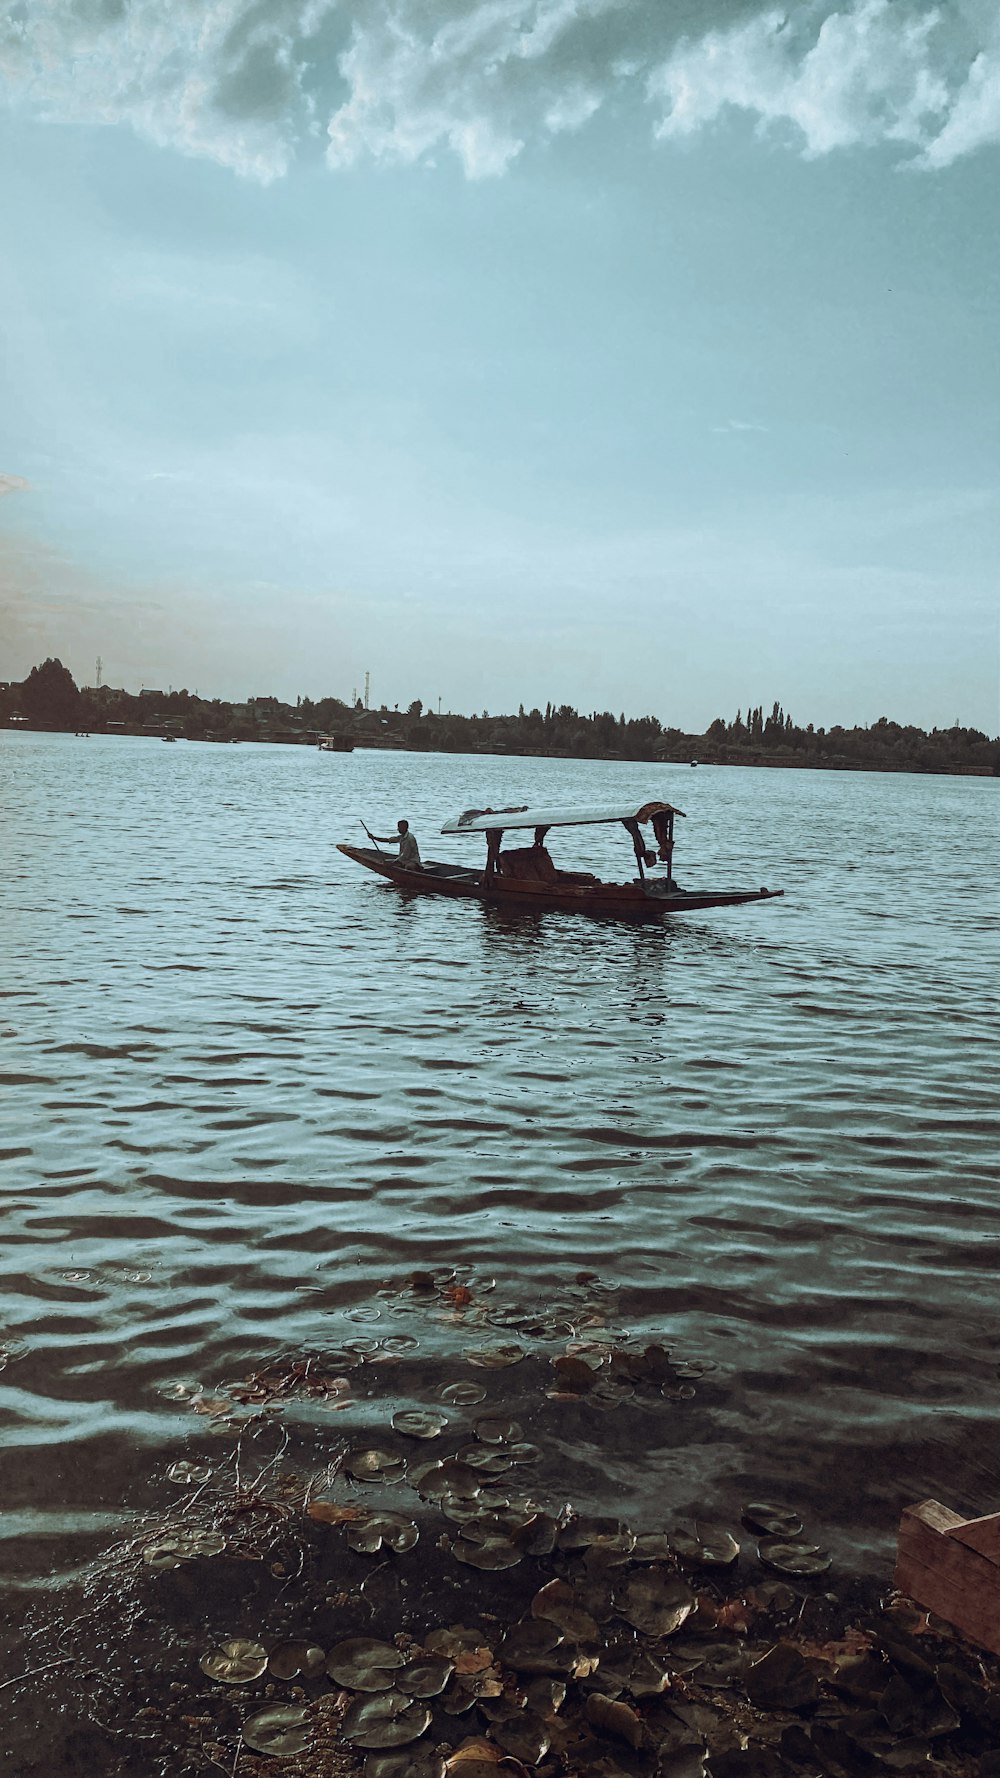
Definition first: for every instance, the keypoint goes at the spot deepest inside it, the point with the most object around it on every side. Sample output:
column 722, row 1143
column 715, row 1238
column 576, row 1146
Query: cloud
column 13, row 484
column 251, row 84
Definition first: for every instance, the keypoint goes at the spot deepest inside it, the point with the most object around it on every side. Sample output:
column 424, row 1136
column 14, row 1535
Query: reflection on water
column 247, row 1086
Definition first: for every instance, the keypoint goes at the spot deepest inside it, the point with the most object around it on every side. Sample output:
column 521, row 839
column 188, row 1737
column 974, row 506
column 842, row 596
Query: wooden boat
column 526, row 877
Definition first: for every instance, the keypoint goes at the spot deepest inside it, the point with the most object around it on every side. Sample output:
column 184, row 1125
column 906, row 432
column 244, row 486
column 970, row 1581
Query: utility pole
column 368, row 686
column 439, row 706
column 100, row 670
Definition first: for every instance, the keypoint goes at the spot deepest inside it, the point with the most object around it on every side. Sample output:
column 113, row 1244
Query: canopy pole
column 639, row 846
column 494, row 836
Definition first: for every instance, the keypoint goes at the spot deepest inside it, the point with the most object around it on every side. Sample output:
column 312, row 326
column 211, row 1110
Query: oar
column 371, row 836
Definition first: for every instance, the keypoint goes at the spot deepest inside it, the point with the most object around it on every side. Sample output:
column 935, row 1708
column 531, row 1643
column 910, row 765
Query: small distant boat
column 168, row 737
column 336, row 744
column 526, row 876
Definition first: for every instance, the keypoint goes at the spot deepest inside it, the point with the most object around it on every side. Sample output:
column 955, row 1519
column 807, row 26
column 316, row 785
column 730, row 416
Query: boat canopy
column 493, row 820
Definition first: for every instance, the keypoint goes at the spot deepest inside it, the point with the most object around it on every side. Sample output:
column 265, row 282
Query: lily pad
column 792, row 1556
column 436, row 1479
column 462, row 1395
column 711, row 1546
column 290, row 1659
column 188, row 1474
column 655, row 1601
column 369, row 1533
column 282, row 1730
column 170, row 1552
column 494, row 1429
column 524, row 1735
column 494, row 1358
column 773, row 1521
column 235, row 1662
column 490, row 1553
column 419, row 1423
column 558, row 1604
column 364, row 1665
column 424, row 1678
column 781, row 1680
column 390, row 1720
column 414, row 1762
column 373, row 1465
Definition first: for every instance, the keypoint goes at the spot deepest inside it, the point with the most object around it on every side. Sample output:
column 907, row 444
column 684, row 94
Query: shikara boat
column 526, row 877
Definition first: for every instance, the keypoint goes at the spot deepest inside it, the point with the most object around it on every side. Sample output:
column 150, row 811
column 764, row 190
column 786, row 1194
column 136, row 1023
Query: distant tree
column 416, row 709
column 49, row 694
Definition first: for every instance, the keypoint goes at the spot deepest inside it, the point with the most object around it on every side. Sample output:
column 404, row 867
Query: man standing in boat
column 409, row 851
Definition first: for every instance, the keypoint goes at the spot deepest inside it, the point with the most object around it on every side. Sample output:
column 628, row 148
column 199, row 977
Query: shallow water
column 247, row 1086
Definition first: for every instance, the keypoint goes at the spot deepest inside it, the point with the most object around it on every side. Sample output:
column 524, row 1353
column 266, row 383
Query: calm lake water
column 248, row 1088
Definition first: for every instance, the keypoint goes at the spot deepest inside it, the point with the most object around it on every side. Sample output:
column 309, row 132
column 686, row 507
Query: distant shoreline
column 372, row 743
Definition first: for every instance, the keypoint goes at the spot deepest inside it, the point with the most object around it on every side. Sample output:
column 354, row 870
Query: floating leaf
column 424, row 1678
column 185, row 1474
column 655, row 1601
column 419, row 1423
column 494, row 1358
column 485, row 1459
column 584, row 1533
column 462, row 1395
column 390, row 1720
column 235, row 1662
column 364, row 1664
column 574, row 1374
column 457, row 1641
column 289, row 1659
column 789, row 1556
column 282, row 1730
column 528, row 1647
column 774, row 1521
column 373, row 1465
column 712, row 1546
column 614, row 1718
column 374, row 1529
column 524, row 1735
column 558, row 1604
column 179, row 1391
column 494, row 1429
column 449, row 1477
column 413, row 1763
column 491, row 1553
column 170, row 1552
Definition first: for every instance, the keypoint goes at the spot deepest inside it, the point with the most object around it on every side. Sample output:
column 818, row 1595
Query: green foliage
column 49, row 698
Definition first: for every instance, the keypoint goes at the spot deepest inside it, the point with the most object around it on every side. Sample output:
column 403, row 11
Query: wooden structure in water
column 951, row 1566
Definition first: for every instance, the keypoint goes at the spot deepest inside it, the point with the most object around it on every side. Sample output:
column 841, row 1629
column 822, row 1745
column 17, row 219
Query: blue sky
column 622, row 353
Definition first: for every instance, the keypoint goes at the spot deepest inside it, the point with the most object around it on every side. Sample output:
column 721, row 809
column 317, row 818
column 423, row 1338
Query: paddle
column 371, row 836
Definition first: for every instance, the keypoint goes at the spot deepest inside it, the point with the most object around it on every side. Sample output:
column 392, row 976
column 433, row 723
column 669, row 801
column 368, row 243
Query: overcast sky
column 637, row 354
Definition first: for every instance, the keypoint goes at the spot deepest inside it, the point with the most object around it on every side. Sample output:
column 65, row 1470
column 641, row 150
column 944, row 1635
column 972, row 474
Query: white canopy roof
column 487, row 820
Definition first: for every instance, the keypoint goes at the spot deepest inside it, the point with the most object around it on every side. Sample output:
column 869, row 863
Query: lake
column 249, row 1089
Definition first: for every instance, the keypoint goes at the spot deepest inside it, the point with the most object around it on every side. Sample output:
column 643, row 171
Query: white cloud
column 246, row 82
column 13, row 484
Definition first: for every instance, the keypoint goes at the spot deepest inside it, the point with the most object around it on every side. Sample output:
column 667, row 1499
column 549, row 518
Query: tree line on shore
column 50, row 698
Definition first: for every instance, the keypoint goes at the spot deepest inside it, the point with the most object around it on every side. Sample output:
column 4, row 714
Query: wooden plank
column 946, row 1576
column 982, row 1535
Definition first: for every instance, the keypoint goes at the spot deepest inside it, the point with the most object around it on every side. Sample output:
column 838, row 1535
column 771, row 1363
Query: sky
column 633, row 354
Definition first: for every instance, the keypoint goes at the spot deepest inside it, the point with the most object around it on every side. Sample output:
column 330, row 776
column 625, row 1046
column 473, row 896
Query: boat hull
column 633, row 901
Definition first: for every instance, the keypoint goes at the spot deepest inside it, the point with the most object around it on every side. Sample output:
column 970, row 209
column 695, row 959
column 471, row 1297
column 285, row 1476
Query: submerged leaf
column 374, row 1529
column 424, row 1678
column 494, row 1429
column 415, row 1762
